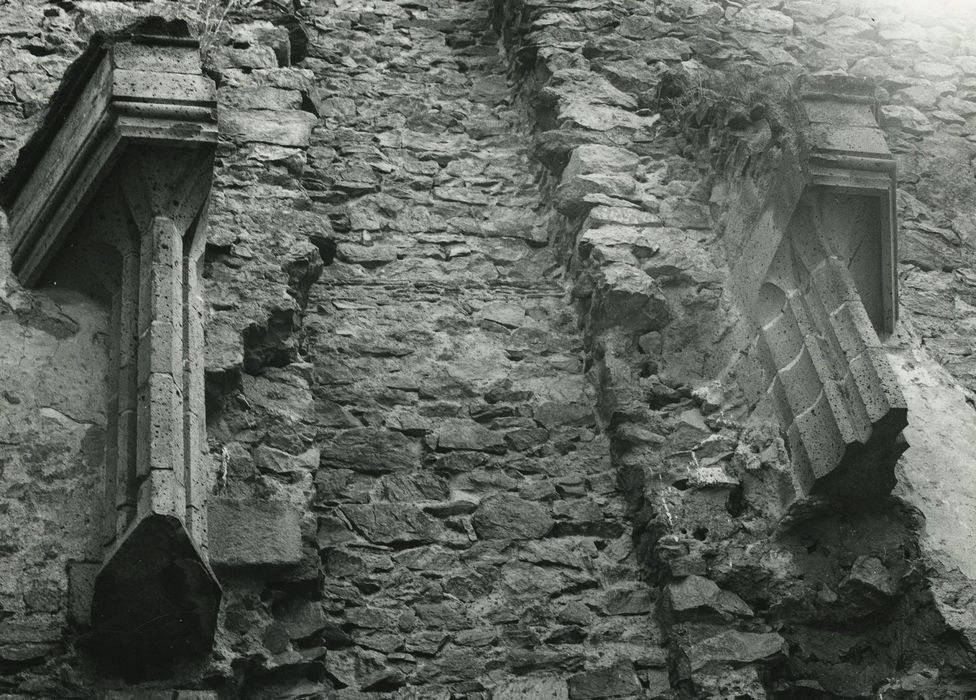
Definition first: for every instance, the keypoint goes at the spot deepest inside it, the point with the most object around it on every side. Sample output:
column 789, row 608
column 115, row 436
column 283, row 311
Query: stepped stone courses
column 477, row 422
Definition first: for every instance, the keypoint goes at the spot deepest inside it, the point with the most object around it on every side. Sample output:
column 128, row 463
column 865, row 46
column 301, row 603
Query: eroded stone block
column 618, row 679
column 543, row 688
column 594, row 169
column 282, row 128
column 736, row 647
column 504, row 516
column 628, row 298
column 251, row 532
column 694, row 597
column 391, row 523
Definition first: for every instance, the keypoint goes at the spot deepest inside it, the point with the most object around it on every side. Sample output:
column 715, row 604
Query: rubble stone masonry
column 479, row 417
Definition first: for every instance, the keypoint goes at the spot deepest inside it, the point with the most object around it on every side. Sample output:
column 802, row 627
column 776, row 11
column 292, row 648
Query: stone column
column 155, row 475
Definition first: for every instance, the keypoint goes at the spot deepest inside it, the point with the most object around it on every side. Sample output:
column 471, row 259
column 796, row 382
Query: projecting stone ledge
column 156, row 597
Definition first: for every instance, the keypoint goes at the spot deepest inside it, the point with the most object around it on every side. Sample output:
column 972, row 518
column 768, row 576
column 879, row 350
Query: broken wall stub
column 816, row 270
column 110, row 198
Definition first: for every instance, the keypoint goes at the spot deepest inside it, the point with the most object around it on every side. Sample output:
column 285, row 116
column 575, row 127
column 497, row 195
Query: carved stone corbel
column 110, row 198
column 817, row 270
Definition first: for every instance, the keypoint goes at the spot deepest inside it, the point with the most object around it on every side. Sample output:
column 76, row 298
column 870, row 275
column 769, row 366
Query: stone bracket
column 820, row 283
column 110, row 197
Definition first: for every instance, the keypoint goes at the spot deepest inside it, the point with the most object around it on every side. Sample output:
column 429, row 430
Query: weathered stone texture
column 390, row 340
column 254, row 533
column 504, row 516
column 830, row 277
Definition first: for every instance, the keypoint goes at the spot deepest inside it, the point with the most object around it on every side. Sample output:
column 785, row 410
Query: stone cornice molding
column 142, row 86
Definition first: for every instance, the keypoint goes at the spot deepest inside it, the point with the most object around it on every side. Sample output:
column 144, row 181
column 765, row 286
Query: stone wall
column 472, row 402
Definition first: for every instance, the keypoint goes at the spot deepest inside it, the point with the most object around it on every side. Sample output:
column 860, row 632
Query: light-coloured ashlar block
column 255, row 533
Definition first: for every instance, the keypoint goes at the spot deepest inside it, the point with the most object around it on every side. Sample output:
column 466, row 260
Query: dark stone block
column 696, row 597
column 736, row 647
column 156, row 598
column 387, row 523
column 372, row 450
column 81, row 583
column 509, row 517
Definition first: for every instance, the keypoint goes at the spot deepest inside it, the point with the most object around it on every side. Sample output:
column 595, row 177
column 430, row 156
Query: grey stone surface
column 506, row 516
column 250, row 532
column 531, row 689
column 345, row 275
column 388, row 523
column 695, row 595
column 615, row 680
column 762, row 20
column 628, row 298
column 737, row 647
column 371, row 450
